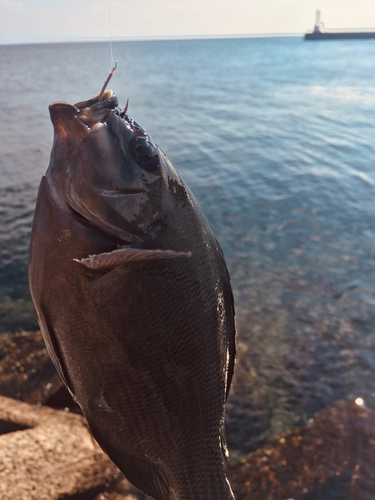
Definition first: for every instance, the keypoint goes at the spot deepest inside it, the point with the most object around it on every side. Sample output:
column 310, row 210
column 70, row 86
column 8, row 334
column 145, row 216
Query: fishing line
column 110, row 35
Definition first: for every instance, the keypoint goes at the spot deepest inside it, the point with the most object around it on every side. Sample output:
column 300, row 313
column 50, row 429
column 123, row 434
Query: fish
column 134, row 301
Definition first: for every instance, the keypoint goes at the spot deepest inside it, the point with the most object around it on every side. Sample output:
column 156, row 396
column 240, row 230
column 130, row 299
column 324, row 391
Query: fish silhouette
column 134, row 301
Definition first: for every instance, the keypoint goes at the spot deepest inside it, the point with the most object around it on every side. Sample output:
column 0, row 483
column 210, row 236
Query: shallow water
column 275, row 138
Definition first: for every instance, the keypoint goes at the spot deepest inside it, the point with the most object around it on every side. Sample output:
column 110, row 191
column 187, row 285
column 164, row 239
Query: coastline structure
column 320, row 33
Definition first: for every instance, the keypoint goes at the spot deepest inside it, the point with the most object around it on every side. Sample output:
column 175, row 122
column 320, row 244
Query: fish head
column 107, row 168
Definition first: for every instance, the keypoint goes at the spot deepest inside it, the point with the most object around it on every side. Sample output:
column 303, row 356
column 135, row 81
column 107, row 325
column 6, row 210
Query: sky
column 24, row 21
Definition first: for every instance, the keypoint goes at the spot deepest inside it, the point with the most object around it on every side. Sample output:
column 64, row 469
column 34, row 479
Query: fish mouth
column 109, row 101
column 94, row 112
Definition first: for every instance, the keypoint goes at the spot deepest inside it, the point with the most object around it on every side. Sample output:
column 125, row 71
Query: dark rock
column 330, row 458
column 122, row 490
column 28, row 374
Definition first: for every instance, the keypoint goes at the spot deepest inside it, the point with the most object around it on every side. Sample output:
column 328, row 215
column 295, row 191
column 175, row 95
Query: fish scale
column 134, row 301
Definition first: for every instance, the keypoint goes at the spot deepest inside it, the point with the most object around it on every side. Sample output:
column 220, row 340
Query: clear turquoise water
column 275, row 138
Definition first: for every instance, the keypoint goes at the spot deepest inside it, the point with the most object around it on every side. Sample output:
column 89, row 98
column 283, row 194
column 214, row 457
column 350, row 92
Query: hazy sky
column 43, row 20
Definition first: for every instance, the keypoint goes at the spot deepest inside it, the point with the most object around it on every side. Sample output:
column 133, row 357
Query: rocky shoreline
column 47, row 452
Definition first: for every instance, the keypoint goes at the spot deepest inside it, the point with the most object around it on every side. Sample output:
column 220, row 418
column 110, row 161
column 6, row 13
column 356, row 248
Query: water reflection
column 278, row 148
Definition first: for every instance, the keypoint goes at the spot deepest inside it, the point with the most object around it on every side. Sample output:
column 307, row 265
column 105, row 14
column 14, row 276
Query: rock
column 123, row 490
column 49, row 455
column 28, row 374
column 330, row 458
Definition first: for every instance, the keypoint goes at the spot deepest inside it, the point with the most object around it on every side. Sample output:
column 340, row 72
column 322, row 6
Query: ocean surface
column 275, row 136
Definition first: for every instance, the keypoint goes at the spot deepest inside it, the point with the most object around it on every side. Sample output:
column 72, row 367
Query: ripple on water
column 275, row 138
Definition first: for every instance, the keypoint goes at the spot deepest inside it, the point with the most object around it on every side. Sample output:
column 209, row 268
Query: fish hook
column 111, row 73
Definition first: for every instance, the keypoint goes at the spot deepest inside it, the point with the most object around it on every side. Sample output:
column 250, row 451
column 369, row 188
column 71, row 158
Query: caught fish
column 134, row 301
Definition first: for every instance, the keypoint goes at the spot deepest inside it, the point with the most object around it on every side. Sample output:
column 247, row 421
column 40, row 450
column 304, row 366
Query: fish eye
column 145, row 153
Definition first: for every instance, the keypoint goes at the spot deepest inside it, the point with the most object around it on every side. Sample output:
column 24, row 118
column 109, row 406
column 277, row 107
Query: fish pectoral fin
column 104, row 262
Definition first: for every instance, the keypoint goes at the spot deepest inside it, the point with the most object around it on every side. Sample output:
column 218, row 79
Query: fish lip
column 122, row 191
column 95, row 113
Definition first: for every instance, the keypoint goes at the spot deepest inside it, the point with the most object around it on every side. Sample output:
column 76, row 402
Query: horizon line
column 149, row 38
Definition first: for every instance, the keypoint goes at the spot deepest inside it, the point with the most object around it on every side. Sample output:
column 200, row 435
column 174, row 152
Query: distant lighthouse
column 320, row 33
column 317, row 21
column 317, row 17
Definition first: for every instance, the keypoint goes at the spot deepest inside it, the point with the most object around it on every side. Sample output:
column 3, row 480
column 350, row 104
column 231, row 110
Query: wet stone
column 53, row 457
column 330, row 458
column 27, row 372
column 122, row 490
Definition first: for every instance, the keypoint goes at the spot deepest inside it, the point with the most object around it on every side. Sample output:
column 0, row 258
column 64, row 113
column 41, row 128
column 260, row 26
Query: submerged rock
column 330, row 458
column 27, row 372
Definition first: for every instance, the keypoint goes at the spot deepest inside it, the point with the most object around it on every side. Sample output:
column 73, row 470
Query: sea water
column 275, row 137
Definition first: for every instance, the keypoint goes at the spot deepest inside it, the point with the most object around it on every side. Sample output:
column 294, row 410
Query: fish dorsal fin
column 104, row 262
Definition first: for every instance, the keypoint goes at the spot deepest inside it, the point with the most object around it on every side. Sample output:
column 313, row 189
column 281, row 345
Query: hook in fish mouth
column 84, row 117
column 103, row 91
column 111, row 73
column 105, row 99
